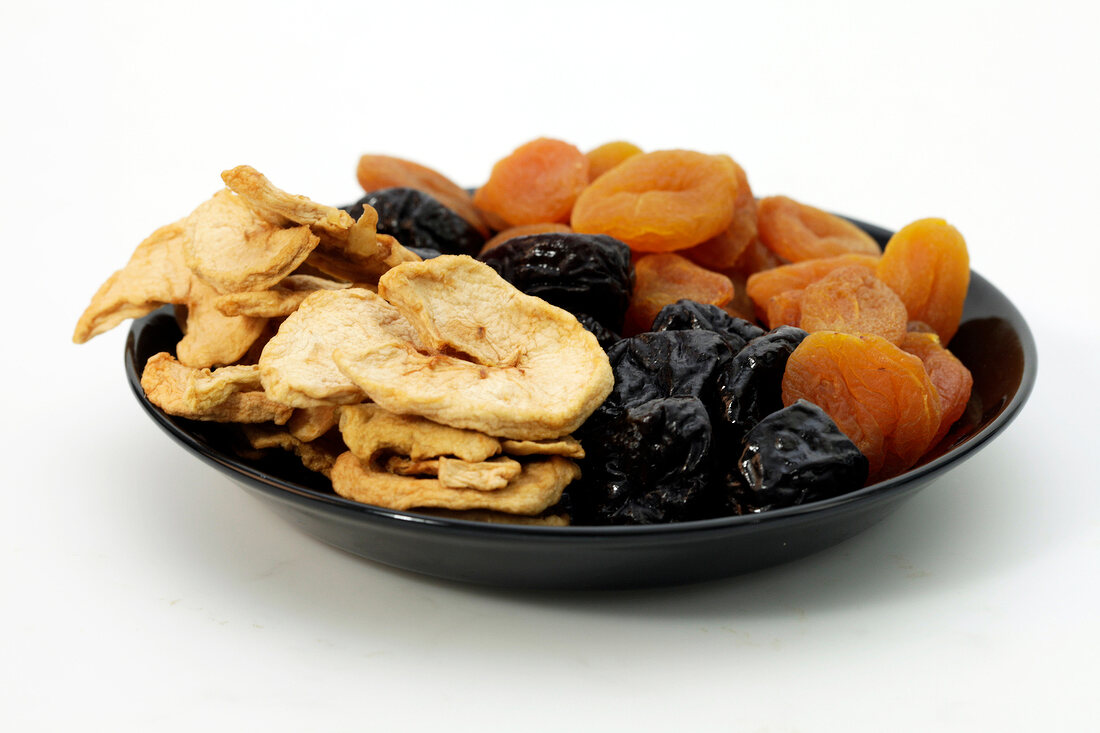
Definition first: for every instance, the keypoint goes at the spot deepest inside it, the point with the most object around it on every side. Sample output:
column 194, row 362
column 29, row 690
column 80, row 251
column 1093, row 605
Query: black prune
column 604, row 335
column 795, row 455
column 649, row 465
column 582, row 273
column 688, row 315
column 752, row 388
column 418, row 220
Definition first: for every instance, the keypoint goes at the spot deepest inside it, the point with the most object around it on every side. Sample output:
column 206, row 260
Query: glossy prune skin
column 796, row 455
column 688, row 315
column 651, row 465
column 752, row 388
column 418, row 220
column 604, row 335
column 581, row 273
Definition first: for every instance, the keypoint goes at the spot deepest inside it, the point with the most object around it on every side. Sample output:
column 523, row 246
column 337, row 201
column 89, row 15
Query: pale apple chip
column 310, row 423
column 538, row 487
column 297, row 367
column 277, row 302
column 171, row 386
column 567, row 446
column 155, row 275
column 210, row 338
column 233, row 249
column 370, row 431
column 282, row 208
column 317, row 456
column 454, row 473
column 492, row 359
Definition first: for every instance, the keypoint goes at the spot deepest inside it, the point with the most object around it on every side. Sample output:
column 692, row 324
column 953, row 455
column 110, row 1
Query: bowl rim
column 333, row 502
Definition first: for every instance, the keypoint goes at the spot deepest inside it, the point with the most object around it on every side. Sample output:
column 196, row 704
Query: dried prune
column 795, row 455
column 416, row 219
column 582, row 273
column 604, row 335
column 752, row 387
column 650, row 465
column 689, row 315
column 522, row 231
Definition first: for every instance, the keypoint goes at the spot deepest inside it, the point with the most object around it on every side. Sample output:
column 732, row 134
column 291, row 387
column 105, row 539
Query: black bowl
column 993, row 341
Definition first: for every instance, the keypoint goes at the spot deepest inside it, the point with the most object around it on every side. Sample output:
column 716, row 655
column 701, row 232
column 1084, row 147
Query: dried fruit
column 607, row 156
column 722, row 251
column 849, row 299
column 784, row 309
column 370, row 431
column 751, row 388
column 277, row 302
column 662, row 279
column 376, row 172
column 797, row 455
column 952, row 379
column 926, row 263
column 764, row 285
column 797, row 232
column 199, row 394
column 522, row 231
column 538, row 182
column 582, row 273
column 880, row 396
column 688, row 315
column 416, row 219
column 660, row 201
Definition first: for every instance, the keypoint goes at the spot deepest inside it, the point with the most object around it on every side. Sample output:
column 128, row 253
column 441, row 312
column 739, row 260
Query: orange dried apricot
column 878, row 395
column 784, row 309
column 952, row 379
column 538, row 182
column 609, row 155
column 664, row 278
column 522, row 231
column 927, row 265
column 764, row 285
column 756, row 258
column 798, row 232
column 851, row 300
column 376, row 172
column 660, row 201
column 722, row 251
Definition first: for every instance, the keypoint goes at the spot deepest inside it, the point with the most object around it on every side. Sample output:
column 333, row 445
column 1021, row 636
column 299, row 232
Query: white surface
column 143, row 591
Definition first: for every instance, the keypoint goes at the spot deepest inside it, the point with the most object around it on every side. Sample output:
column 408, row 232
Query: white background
column 143, row 591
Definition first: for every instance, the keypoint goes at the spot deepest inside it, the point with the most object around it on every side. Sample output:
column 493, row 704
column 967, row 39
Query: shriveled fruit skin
column 376, row 172
column 722, row 251
column 798, row 232
column 538, row 182
column 582, row 273
column 688, row 315
column 604, row 335
column 927, row 264
column 664, row 278
column 660, row 201
column 607, row 156
column 880, row 396
column 752, row 388
column 764, row 285
column 851, row 300
column 416, row 219
column 784, row 309
column 952, row 379
column 796, row 455
column 544, row 227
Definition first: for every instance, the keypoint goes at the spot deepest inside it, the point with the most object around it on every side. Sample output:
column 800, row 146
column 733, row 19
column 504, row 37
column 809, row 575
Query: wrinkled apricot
column 851, row 300
column 952, row 379
column 756, row 258
column 722, row 251
column 538, row 182
column 661, row 201
column 376, row 172
column 522, row 231
column 662, row 279
column 926, row 263
column 878, row 395
column 784, row 309
column 764, row 285
column 798, row 232
column 609, row 155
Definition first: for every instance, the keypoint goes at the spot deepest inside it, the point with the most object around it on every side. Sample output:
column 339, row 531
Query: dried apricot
column 785, row 309
column 927, row 265
column 376, row 172
column 880, row 396
column 851, row 300
column 537, row 182
column 756, row 258
column 661, row 201
column 764, row 285
column 609, row 155
column 722, row 251
column 663, row 279
column 522, row 231
column 952, row 379
column 797, row 232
